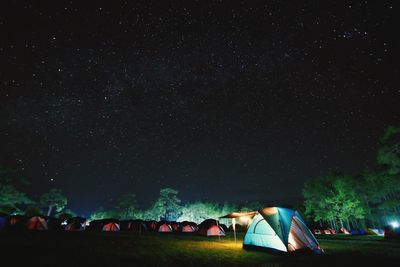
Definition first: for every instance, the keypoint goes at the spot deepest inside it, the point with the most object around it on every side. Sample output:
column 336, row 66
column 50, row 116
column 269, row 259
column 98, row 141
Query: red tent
column 165, row 228
column 111, row 227
column 36, row 223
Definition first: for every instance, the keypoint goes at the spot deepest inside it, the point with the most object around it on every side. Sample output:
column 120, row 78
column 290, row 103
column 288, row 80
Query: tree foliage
column 371, row 198
column 166, row 207
column 54, row 200
column 11, row 198
column 332, row 199
column 389, row 153
column 126, row 207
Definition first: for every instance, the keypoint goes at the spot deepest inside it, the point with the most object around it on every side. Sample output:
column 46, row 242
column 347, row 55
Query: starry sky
column 222, row 100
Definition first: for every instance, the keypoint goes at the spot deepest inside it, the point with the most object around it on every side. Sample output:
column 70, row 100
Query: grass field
column 154, row 249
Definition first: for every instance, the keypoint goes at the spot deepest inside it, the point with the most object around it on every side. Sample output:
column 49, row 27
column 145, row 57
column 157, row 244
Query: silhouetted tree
column 53, row 200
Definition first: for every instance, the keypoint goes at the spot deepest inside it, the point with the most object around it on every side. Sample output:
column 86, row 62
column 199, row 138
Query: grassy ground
column 153, row 249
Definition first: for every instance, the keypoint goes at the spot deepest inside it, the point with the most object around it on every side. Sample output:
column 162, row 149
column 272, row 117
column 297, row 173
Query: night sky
column 222, row 100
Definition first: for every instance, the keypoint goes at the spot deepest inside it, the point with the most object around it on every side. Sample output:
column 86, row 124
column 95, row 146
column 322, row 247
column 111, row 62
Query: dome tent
column 188, row 227
column 76, row 224
column 280, row 229
column 164, row 227
column 36, row 223
column 210, row 227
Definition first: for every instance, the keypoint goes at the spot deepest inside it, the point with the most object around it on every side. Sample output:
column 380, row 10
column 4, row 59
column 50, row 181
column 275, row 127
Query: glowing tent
column 36, row 223
column 188, row 227
column 165, row 227
column 111, row 227
column 278, row 229
column 3, row 220
column 211, row 227
column 76, row 224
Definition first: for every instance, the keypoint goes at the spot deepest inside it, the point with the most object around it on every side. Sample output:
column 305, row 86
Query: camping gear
column 165, row 227
column 211, row 227
column 76, row 224
column 344, row 231
column 151, row 225
column 318, row 232
column 332, row 232
column 358, row 231
column 175, row 226
column 111, row 227
column 137, row 226
column 188, row 227
column 3, row 220
column 279, row 230
column 36, row 223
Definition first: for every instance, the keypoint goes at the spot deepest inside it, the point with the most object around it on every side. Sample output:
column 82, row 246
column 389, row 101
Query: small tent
column 137, row 226
column 358, row 231
column 151, row 225
column 344, row 231
column 188, row 227
column 76, row 224
column 3, row 220
column 36, row 223
column 374, row 231
column 211, row 227
column 111, row 227
column 279, row 229
column 17, row 222
column 175, row 226
column 164, row 227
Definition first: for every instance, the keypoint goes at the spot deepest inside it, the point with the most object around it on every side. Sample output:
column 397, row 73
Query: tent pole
column 234, row 228
column 219, row 231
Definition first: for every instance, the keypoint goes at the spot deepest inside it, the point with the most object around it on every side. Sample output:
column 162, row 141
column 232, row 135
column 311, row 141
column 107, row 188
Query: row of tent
column 356, row 231
column 271, row 228
column 209, row 227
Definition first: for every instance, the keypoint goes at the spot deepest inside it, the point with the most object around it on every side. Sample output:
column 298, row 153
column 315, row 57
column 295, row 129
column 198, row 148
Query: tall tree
column 126, row 207
column 100, row 213
column 200, row 211
column 53, row 200
column 333, row 199
column 11, row 198
column 389, row 153
column 166, row 207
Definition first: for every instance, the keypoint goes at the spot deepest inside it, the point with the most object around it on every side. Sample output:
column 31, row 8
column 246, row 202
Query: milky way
column 220, row 100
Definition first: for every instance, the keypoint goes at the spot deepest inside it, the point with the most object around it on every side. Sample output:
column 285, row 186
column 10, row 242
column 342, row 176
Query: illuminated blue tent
column 280, row 229
column 3, row 221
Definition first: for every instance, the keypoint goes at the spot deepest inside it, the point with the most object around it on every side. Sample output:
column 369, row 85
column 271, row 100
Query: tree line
column 368, row 199
column 14, row 201
column 169, row 207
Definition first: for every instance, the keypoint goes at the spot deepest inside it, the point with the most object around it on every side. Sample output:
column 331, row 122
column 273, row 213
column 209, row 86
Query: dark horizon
column 221, row 101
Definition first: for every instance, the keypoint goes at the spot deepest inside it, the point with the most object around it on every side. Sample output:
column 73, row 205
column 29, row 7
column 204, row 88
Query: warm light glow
column 394, row 224
column 244, row 220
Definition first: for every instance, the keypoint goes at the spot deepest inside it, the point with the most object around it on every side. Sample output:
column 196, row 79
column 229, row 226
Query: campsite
column 199, row 133
column 154, row 249
column 271, row 236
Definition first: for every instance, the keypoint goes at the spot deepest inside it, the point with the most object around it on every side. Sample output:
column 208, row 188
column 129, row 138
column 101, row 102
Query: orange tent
column 111, row 227
column 36, row 223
